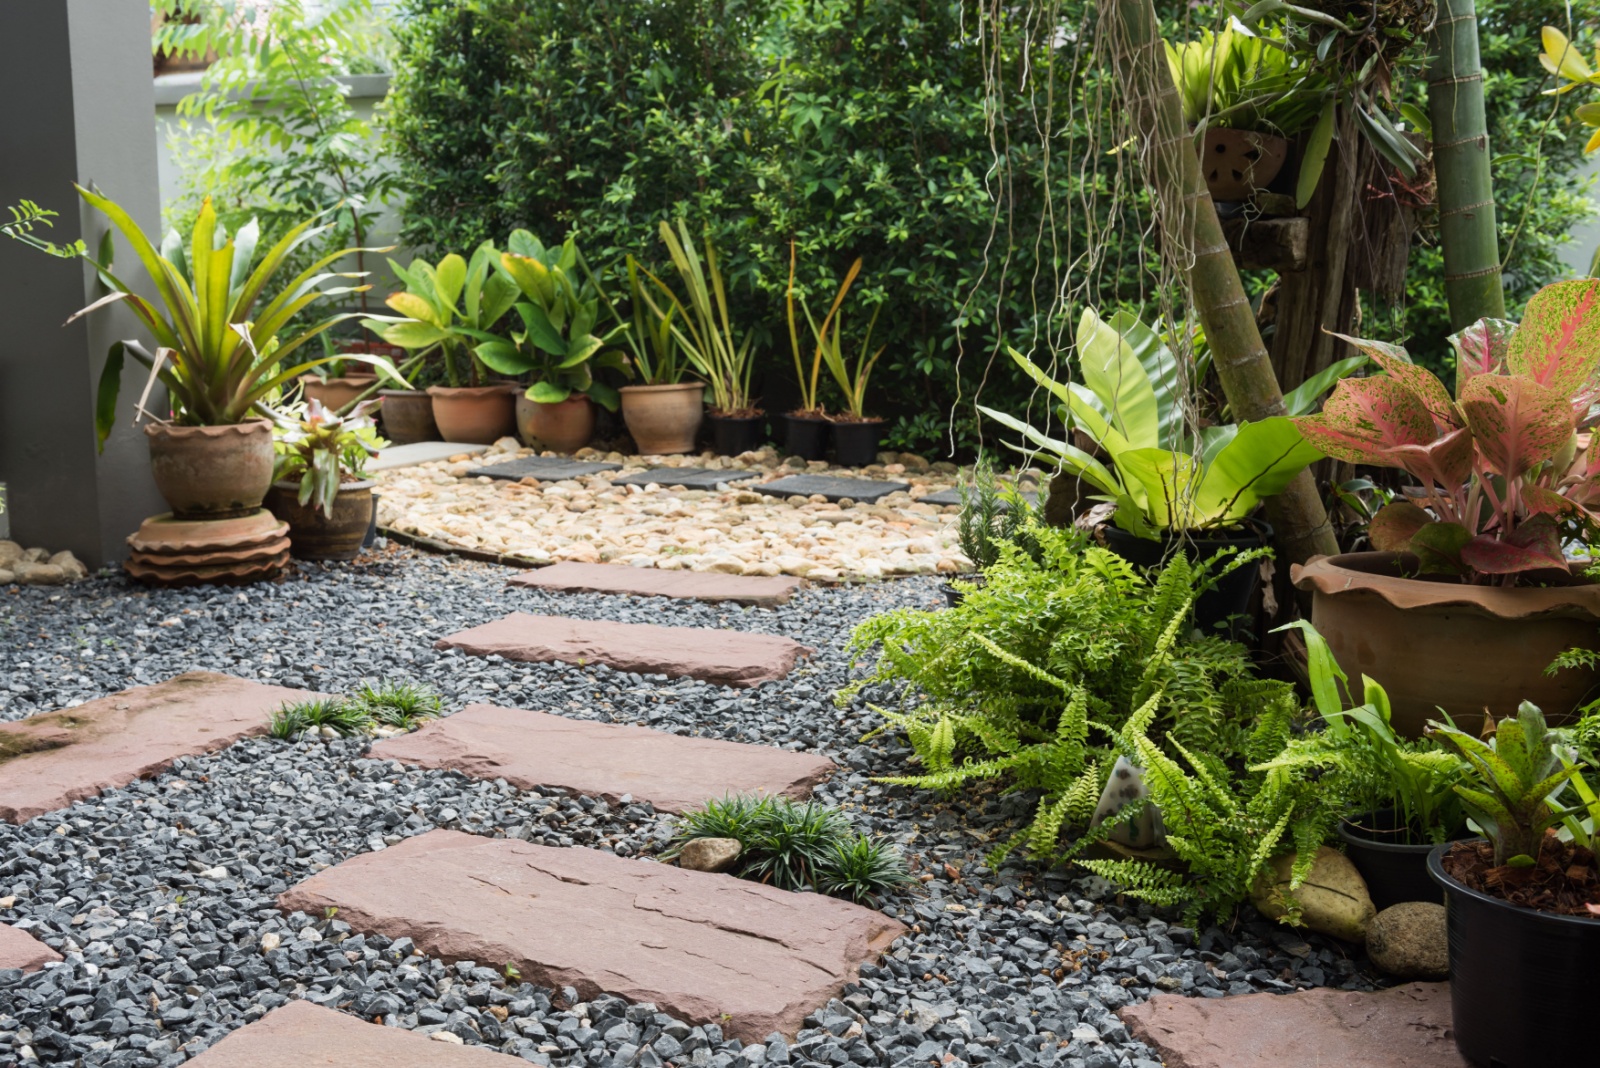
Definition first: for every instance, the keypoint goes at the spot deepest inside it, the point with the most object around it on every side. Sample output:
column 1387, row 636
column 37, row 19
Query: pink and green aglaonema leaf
column 1445, row 462
column 1515, row 422
column 1396, row 362
column 1393, row 527
column 1558, row 342
column 1365, row 420
column 1438, row 546
column 1481, row 349
column 1534, row 545
column 1542, row 500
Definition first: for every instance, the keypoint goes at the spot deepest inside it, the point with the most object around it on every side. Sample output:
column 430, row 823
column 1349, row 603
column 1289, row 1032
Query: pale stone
column 6, row 577
column 1409, row 941
column 709, row 854
column 1333, row 899
column 10, row 553
column 35, row 574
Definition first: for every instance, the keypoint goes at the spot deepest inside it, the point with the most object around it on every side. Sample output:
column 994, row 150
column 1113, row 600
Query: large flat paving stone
column 730, row 657
column 687, row 477
column 51, row 760
column 1402, row 1027
column 953, row 496
column 23, row 952
column 303, row 1035
column 832, row 487
column 536, row 749
column 421, row 452
column 697, row 945
column 573, row 577
column 543, row 468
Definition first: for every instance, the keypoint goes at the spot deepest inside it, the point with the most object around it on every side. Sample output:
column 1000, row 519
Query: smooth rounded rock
column 29, row 574
column 709, row 854
column 1333, row 899
column 1408, row 941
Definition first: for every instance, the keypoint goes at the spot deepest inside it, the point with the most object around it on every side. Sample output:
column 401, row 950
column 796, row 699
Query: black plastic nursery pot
column 731, row 435
column 1521, row 981
column 805, row 436
column 1393, row 869
column 953, row 596
column 1229, row 598
column 855, row 443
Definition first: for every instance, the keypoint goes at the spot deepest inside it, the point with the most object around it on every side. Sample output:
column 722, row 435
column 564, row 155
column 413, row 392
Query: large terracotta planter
column 335, row 393
column 473, row 415
column 1439, row 643
column 212, row 472
column 1236, row 163
column 563, row 427
column 408, row 416
column 663, row 419
column 314, row 536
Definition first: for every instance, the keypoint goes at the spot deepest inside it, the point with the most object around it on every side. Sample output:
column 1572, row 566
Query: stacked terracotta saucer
column 188, row 552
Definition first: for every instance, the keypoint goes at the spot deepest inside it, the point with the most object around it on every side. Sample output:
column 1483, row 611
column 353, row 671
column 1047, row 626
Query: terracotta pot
column 335, row 393
column 212, row 472
column 314, row 536
column 663, row 419
column 408, row 416
column 563, row 427
column 1439, row 643
column 1237, row 163
column 473, row 415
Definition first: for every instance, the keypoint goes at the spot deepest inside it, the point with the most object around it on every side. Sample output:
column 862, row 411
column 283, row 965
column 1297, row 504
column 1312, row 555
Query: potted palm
column 448, row 308
column 557, row 346
column 320, row 486
column 1470, row 570
column 1175, row 489
column 704, row 331
column 218, row 354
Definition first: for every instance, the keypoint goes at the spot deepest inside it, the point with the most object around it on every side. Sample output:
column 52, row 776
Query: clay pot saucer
column 166, row 534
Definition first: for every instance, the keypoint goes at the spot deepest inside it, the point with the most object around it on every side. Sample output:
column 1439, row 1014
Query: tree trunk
column 1461, row 163
column 1192, row 235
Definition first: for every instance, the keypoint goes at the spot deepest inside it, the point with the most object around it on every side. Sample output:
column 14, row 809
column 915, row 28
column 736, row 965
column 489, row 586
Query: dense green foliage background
column 856, row 129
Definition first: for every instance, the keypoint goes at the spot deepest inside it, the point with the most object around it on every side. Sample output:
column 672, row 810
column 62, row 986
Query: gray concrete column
column 76, row 75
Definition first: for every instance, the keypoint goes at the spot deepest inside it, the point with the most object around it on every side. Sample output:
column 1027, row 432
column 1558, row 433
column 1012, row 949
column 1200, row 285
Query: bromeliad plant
column 216, row 331
column 1503, row 482
column 448, row 309
column 557, row 345
column 321, row 450
column 1164, row 478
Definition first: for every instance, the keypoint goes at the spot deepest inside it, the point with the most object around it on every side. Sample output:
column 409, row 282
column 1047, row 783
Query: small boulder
column 10, row 553
column 37, row 555
column 30, row 574
column 1333, row 900
column 709, row 854
column 71, row 565
column 1408, row 941
column 6, row 577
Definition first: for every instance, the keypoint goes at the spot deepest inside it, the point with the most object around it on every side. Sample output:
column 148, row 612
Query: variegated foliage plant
column 1503, row 480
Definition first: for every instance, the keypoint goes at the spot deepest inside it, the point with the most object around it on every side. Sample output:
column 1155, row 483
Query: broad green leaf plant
column 1163, row 478
column 214, row 323
column 448, row 308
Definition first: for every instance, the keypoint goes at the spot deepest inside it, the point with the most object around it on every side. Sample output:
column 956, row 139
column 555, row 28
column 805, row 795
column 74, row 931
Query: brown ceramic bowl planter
column 855, row 441
column 566, row 426
column 212, row 472
column 663, row 419
column 1521, row 980
column 1440, row 643
column 805, row 434
column 314, row 536
column 1237, row 163
column 474, row 415
column 735, row 434
column 407, row 416
column 335, row 393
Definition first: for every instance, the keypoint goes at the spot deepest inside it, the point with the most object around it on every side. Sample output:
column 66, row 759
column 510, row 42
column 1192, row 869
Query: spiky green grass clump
column 390, row 704
column 399, row 704
column 343, row 717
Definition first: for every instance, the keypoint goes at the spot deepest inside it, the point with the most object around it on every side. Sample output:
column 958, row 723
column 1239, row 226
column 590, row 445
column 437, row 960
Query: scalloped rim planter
column 474, row 415
column 1445, row 644
column 212, row 472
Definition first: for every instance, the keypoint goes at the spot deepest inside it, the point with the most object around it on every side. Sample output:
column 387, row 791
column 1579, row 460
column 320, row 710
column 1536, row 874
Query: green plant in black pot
column 993, row 512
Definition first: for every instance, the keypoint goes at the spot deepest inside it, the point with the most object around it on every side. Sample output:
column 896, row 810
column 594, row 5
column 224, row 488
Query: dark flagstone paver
column 303, row 1035
column 698, row 945
column 1402, row 1027
column 535, row 749
column 51, row 760
column 687, row 477
column 21, row 951
column 729, row 657
column 834, row 488
column 574, row 577
column 953, row 496
column 543, row 468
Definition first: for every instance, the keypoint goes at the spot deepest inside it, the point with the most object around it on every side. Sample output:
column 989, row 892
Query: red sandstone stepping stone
column 303, row 1035
column 730, row 657
column 1403, row 1027
column 19, row 949
column 49, row 761
column 533, row 749
column 697, row 945
column 654, row 582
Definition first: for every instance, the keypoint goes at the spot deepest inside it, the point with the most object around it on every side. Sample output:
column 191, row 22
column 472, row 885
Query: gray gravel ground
column 165, row 953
